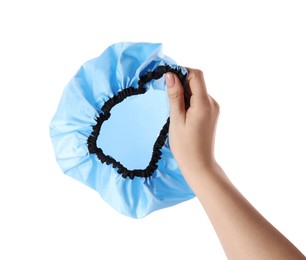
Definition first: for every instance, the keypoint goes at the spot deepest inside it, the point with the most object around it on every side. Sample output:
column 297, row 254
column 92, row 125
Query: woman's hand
column 192, row 132
column 243, row 232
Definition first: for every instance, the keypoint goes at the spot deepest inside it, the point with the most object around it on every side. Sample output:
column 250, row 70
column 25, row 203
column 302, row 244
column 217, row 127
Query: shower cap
column 110, row 130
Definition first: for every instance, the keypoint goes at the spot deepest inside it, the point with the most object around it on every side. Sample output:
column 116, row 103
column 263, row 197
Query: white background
column 253, row 55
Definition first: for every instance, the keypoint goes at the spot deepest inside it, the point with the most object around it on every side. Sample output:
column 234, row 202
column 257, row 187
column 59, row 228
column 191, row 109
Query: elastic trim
column 106, row 113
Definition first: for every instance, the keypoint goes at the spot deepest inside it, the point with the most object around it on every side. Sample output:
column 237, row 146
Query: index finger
column 197, row 87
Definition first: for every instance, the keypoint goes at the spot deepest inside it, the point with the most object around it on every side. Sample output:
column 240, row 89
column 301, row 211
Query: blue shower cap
column 110, row 130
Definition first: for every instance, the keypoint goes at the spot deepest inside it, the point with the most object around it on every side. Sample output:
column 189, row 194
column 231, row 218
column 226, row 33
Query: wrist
column 200, row 167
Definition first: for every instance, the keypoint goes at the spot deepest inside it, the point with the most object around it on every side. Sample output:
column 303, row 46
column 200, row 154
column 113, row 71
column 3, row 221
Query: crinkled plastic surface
column 128, row 135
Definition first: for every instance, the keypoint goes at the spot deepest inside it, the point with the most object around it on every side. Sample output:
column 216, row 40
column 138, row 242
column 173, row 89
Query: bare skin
column 243, row 232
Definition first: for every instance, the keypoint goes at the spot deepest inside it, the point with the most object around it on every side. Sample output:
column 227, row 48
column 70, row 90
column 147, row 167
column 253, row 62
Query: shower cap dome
column 110, row 130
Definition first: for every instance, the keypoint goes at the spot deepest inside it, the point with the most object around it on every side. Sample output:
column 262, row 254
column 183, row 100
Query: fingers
column 200, row 100
column 176, row 98
column 199, row 95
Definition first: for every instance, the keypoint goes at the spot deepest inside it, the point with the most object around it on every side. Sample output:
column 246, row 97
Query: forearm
column 242, row 230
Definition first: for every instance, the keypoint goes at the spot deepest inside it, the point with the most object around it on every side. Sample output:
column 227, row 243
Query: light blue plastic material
column 128, row 135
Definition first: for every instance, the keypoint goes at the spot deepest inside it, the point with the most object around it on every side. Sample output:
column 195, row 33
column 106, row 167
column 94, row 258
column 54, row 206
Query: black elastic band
column 109, row 104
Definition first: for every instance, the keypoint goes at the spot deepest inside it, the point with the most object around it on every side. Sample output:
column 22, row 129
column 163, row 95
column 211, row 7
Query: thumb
column 176, row 98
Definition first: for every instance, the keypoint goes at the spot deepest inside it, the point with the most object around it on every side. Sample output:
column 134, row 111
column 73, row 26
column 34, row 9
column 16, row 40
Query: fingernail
column 169, row 79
